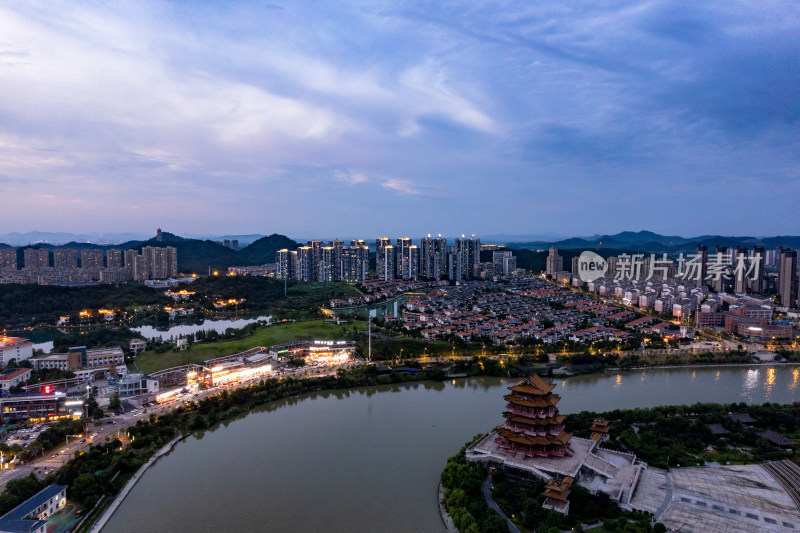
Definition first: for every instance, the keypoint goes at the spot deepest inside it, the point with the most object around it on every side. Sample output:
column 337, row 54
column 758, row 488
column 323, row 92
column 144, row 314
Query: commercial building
column 31, row 515
column 15, row 348
column 31, row 407
column 95, row 362
column 135, row 384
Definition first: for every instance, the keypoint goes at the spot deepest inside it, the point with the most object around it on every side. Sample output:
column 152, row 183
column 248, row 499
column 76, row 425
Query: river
column 369, row 459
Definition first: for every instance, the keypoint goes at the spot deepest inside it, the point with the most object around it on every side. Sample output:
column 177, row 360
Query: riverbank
column 447, row 520
column 101, row 522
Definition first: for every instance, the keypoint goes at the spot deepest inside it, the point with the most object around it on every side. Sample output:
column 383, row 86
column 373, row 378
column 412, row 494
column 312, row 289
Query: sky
column 400, row 118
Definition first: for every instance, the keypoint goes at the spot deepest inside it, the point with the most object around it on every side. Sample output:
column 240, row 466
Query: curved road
column 486, row 488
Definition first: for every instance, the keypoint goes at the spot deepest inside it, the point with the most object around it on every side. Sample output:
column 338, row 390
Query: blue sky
column 372, row 118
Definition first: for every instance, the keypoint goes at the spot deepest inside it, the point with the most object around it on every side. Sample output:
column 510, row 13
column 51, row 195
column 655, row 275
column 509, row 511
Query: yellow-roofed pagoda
column 533, row 426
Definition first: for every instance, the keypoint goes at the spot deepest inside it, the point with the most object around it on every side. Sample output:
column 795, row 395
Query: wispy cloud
column 401, row 186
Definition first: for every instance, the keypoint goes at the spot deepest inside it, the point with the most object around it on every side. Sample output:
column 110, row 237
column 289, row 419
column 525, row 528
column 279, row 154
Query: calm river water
column 369, row 459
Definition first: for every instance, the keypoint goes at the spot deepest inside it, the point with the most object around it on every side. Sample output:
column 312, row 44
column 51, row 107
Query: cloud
column 350, row 177
column 401, row 186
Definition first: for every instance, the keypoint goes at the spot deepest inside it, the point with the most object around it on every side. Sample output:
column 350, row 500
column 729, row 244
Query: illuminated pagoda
column 533, row 426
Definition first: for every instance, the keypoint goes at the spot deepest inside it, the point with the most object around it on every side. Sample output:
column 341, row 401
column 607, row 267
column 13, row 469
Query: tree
column 114, row 404
column 97, row 413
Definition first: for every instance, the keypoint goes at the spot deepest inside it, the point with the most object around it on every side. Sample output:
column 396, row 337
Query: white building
column 15, row 348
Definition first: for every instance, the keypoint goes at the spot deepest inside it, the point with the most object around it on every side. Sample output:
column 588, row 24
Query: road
column 486, row 488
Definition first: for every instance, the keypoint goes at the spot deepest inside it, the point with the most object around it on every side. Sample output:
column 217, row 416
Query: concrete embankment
column 446, row 519
column 101, row 522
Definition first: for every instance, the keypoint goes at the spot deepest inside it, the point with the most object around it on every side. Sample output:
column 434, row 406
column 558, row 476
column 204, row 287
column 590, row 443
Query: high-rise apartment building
column 384, row 262
column 467, row 253
column 337, row 246
column 65, row 258
column 722, row 257
column 555, row 263
column 433, row 257
column 406, row 266
column 113, row 258
column 756, row 281
column 787, row 277
column 283, row 262
column 36, row 258
column 506, row 261
column 401, row 258
column 8, row 258
column 92, row 259
column 354, row 265
column 740, row 280
column 305, row 263
column 162, row 263
column 702, row 254
column 326, row 266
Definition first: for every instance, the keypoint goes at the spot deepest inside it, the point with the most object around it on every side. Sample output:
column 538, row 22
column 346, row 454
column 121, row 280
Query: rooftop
column 16, row 519
column 11, row 373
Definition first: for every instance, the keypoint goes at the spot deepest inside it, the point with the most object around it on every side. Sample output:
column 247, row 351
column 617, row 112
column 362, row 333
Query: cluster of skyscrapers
column 73, row 266
column 317, row 262
column 432, row 259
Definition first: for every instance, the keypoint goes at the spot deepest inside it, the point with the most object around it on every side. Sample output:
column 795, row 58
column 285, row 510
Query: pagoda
column 533, row 425
column 599, row 430
column 556, row 494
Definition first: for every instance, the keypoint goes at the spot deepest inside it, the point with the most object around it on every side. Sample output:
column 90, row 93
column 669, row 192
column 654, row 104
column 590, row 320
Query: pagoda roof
column 559, row 490
column 530, row 440
column 519, row 419
column 533, row 385
column 526, row 401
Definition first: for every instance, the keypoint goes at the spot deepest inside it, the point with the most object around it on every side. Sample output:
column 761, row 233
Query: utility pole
column 372, row 313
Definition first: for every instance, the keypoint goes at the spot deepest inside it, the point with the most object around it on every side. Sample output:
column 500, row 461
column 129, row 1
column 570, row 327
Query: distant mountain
column 58, row 238
column 649, row 242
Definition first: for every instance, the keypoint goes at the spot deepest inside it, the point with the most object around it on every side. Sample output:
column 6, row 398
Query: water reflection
column 770, row 382
column 750, row 383
column 618, row 382
column 716, row 377
column 795, row 377
column 152, row 332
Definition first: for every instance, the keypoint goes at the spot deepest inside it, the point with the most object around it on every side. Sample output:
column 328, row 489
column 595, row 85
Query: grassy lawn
column 283, row 332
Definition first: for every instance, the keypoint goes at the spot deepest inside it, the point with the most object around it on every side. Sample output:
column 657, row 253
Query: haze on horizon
column 386, row 118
